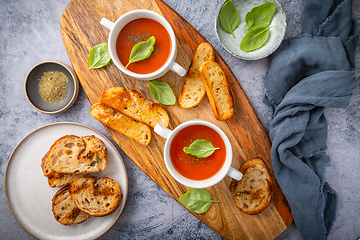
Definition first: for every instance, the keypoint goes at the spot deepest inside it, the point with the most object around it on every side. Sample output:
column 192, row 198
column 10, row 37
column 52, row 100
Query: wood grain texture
column 81, row 30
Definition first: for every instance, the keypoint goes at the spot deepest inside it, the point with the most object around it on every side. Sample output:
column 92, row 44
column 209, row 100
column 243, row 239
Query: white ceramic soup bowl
column 226, row 169
column 121, row 22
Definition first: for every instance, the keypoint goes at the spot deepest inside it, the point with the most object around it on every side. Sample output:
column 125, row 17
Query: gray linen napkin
column 307, row 74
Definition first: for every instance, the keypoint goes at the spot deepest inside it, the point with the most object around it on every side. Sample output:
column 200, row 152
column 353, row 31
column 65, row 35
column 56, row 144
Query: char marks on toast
column 218, row 90
column 96, row 197
column 193, row 90
column 73, row 154
column 130, row 103
column 253, row 193
column 121, row 123
column 64, row 209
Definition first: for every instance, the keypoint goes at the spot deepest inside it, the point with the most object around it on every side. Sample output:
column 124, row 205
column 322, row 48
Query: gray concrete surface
column 29, row 33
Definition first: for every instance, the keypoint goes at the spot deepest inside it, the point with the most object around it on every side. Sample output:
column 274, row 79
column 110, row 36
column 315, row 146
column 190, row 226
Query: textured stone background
column 29, row 33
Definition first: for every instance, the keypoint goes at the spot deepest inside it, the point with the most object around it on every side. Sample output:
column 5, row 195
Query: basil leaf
column 255, row 39
column 260, row 16
column 141, row 50
column 162, row 92
column 99, row 56
column 197, row 200
column 229, row 17
column 200, row 148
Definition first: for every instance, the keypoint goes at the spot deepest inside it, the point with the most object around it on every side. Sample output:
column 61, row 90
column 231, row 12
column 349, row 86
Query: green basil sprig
column 255, row 39
column 197, row 200
column 162, row 92
column 200, row 148
column 229, row 17
column 99, row 56
column 260, row 16
column 141, row 50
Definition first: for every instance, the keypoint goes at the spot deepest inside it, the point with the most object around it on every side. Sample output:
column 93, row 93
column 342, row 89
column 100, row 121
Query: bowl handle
column 235, row 174
column 162, row 131
column 107, row 23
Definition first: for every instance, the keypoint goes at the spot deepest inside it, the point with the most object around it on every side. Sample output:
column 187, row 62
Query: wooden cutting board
column 81, row 30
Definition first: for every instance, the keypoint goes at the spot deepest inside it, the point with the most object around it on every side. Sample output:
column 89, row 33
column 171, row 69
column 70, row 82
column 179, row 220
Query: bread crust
column 96, row 197
column 121, row 123
column 64, row 209
column 78, row 155
column 193, row 90
column 56, row 179
column 130, row 103
column 218, row 90
column 254, row 192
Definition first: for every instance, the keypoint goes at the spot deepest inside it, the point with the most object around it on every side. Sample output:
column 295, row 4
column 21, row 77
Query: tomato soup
column 140, row 30
column 190, row 166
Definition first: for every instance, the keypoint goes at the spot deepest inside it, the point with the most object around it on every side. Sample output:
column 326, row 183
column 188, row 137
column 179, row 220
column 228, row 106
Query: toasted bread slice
column 94, row 158
column 45, row 166
column 64, row 209
column 57, row 179
column 193, row 91
column 218, row 90
column 121, row 123
column 253, row 192
column 81, row 217
column 96, row 197
column 130, row 103
column 73, row 154
column 63, row 179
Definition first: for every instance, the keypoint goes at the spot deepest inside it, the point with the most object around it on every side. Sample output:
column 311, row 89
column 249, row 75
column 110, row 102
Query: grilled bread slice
column 96, row 197
column 94, row 158
column 193, row 90
column 64, row 209
column 253, row 192
column 57, row 179
column 121, row 123
column 130, row 103
column 218, row 90
column 73, row 154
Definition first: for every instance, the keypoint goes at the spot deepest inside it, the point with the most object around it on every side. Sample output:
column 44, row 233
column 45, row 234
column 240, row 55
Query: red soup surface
column 140, row 30
column 190, row 166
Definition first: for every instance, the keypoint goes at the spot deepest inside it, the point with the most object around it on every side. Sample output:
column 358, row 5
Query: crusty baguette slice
column 73, row 154
column 45, row 166
column 130, row 103
column 64, row 209
column 129, row 127
column 217, row 89
column 63, row 179
column 94, row 158
column 96, row 197
column 253, row 192
column 57, row 179
column 81, row 217
column 193, row 90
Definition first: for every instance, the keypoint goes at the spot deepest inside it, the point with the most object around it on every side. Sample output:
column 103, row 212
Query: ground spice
column 136, row 38
column 53, row 86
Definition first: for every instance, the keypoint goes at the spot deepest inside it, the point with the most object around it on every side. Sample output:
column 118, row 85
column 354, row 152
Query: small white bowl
column 232, row 45
column 31, row 87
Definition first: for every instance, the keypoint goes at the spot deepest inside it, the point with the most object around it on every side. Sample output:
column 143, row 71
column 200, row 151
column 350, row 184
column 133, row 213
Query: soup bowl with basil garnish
column 142, row 44
column 197, row 154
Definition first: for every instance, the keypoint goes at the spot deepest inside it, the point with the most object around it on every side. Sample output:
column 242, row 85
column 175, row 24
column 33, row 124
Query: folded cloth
column 307, row 74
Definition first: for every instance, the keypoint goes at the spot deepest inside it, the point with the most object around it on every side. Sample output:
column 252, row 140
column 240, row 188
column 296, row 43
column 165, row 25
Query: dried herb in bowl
column 53, row 86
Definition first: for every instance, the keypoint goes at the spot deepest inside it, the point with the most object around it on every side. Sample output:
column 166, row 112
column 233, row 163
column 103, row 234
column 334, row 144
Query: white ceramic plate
column 232, row 45
column 30, row 197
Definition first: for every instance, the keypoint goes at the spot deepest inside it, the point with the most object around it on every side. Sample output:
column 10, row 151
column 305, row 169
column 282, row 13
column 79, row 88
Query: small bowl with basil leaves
column 250, row 29
column 51, row 87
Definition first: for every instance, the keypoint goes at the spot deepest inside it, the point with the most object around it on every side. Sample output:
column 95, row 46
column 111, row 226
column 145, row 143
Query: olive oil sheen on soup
column 140, row 30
